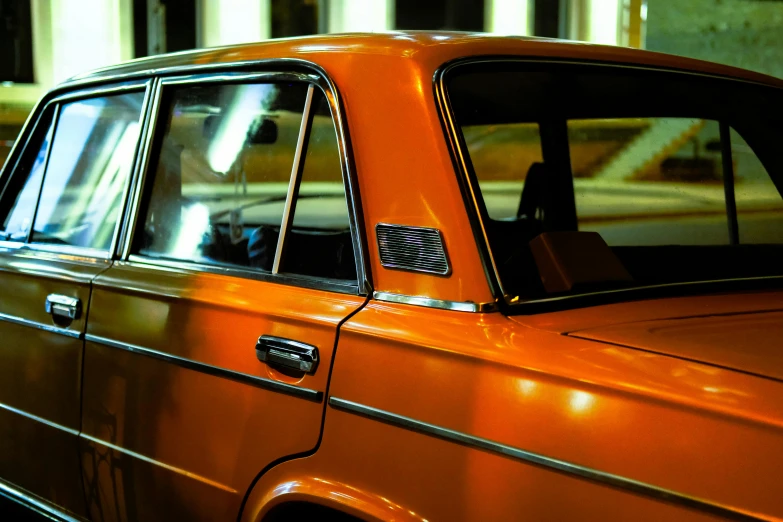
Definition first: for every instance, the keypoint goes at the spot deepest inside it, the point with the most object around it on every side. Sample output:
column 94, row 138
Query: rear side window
column 679, row 175
column 235, row 165
column 69, row 186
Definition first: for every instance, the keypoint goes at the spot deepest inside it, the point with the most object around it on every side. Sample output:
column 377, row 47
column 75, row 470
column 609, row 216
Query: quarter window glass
column 502, row 156
column 649, row 181
column 89, row 164
column 25, row 186
column 319, row 242
column 759, row 205
column 221, row 174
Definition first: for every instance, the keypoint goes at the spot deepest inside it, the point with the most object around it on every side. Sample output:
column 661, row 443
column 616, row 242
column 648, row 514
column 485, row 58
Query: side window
column 21, row 193
column 649, row 181
column 90, row 160
column 759, row 204
column 503, row 155
column 222, row 171
column 319, row 243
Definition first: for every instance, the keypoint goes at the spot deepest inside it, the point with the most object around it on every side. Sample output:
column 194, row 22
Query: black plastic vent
column 417, row 249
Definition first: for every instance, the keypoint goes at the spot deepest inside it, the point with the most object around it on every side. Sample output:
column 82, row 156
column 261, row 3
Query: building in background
column 43, row 42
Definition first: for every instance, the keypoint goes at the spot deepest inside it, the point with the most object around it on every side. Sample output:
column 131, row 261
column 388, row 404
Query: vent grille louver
column 418, row 249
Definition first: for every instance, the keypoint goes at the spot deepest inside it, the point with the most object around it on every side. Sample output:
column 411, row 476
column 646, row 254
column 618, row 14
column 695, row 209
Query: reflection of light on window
column 77, row 121
column 234, row 124
column 525, row 386
column 604, row 21
column 581, row 401
column 195, row 221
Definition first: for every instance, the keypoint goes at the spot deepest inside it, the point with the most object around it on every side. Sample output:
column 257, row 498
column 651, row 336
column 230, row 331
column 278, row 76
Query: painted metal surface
column 40, row 373
column 168, row 434
column 181, row 433
column 683, row 426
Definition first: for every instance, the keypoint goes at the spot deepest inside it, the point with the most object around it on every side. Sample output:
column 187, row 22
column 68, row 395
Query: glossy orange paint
column 689, row 427
column 40, row 375
column 150, row 426
column 161, row 441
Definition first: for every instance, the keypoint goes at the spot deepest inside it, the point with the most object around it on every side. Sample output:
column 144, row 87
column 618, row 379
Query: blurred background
column 43, row 42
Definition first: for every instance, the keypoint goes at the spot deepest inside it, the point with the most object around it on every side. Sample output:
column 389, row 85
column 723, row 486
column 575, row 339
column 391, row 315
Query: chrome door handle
column 287, row 353
column 63, row 306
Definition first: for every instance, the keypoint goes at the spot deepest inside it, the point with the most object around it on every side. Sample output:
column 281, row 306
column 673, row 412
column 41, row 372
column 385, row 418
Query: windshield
column 595, row 178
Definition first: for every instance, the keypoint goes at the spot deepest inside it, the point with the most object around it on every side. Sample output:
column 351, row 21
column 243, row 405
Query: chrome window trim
column 237, row 77
column 47, row 250
column 43, row 105
column 141, row 166
column 330, row 285
column 216, row 371
column 419, row 300
column 317, row 77
column 543, row 461
column 35, row 503
column 40, row 326
column 459, row 155
column 122, row 88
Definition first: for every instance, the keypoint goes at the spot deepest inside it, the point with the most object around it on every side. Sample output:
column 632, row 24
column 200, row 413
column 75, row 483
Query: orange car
column 408, row 276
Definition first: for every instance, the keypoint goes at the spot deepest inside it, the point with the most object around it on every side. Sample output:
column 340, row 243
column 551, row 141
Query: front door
column 209, row 344
column 59, row 209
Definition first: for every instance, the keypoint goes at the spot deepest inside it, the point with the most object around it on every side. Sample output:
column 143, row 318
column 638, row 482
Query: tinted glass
column 22, row 192
column 649, row 181
column 92, row 155
column 319, row 243
column 636, row 156
column 221, row 173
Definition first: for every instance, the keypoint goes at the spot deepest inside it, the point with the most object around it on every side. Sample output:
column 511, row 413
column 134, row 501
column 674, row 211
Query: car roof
column 422, row 47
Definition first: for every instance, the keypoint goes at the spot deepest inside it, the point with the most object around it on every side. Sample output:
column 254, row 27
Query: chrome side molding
column 268, row 384
column 40, row 326
column 458, row 306
column 569, row 468
column 36, row 504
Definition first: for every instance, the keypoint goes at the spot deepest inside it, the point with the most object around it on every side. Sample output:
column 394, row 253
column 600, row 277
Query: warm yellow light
column 228, row 22
column 360, row 15
column 508, row 17
column 604, row 21
column 581, row 401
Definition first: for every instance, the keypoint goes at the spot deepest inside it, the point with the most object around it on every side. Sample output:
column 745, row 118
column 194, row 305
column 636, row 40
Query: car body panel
column 748, row 342
column 40, row 372
column 153, row 424
column 427, row 414
column 641, row 416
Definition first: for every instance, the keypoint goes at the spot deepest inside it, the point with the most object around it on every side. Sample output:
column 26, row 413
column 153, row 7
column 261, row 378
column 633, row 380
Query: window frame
column 478, row 216
column 53, row 102
column 135, row 211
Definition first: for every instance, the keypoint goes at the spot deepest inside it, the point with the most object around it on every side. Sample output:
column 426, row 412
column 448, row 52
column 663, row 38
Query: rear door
column 60, row 211
column 209, row 343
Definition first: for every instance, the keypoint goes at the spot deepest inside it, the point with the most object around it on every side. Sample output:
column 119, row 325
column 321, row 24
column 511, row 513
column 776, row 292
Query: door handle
column 287, row 353
column 63, row 306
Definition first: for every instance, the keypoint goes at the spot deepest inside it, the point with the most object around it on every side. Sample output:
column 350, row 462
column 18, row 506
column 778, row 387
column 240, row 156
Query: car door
column 60, row 206
column 210, row 342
